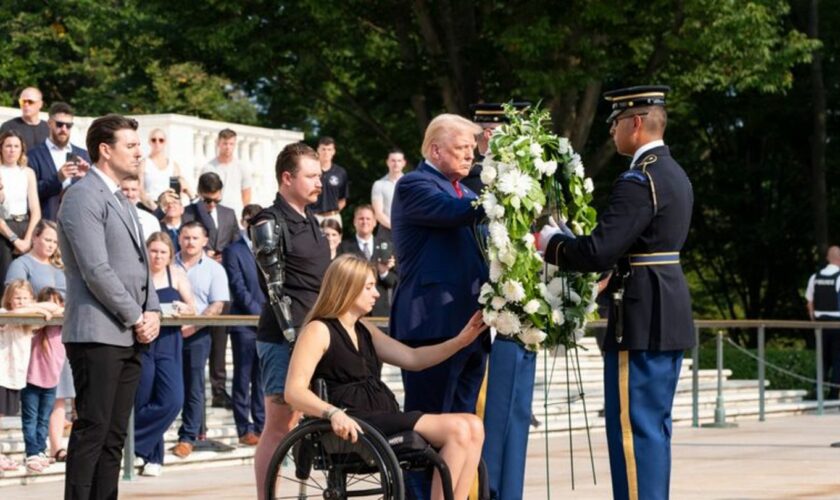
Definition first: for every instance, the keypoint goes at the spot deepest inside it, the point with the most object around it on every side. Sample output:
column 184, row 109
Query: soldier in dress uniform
column 639, row 236
column 489, row 116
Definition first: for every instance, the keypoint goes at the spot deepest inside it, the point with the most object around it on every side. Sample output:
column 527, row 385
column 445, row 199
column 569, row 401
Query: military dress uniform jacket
column 649, row 212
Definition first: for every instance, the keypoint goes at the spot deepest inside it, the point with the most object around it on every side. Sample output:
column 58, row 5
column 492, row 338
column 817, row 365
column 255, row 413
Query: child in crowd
column 15, row 349
column 38, row 397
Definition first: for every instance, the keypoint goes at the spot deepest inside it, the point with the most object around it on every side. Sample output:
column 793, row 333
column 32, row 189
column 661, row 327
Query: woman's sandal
column 7, row 463
column 60, row 455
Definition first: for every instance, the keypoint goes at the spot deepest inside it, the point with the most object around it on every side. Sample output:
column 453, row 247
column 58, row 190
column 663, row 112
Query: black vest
column 825, row 293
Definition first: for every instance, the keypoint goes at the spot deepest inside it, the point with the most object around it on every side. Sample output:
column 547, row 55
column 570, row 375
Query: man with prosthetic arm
column 639, row 237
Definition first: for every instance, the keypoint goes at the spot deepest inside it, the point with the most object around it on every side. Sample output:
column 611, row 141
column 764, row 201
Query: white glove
column 545, row 236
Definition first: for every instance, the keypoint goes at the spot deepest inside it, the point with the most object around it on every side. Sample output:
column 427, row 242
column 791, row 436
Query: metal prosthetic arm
column 268, row 237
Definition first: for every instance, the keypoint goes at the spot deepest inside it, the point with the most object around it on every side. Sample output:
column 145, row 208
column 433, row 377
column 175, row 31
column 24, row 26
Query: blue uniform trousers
column 196, row 354
column 450, row 387
column 160, row 394
column 248, row 399
column 507, row 416
column 639, row 391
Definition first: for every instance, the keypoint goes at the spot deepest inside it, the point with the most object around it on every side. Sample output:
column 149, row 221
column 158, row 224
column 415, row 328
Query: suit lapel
column 111, row 199
column 441, row 179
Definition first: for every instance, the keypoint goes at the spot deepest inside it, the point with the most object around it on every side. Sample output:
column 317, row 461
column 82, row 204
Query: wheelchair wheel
column 312, row 462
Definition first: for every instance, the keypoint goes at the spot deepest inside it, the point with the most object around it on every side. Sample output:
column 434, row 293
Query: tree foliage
column 373, row 72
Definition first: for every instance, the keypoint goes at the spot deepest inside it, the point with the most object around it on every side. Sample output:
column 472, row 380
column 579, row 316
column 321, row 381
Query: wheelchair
column 312, row 462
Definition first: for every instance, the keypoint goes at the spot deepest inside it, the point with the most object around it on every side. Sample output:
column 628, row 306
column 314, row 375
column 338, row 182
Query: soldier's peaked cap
column 493, row 112
column 634, row 97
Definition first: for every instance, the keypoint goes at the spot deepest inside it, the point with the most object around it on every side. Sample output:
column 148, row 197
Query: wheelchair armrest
column 319, row 387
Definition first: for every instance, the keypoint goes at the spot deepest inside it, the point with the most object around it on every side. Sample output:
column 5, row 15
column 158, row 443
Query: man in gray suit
column 112, row 309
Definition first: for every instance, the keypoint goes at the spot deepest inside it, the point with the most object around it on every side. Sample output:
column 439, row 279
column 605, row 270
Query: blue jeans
column 196, row 353
column 36, row 404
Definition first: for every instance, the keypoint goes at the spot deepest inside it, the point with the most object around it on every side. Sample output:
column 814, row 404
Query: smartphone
column 175, row 184
column 72, row 158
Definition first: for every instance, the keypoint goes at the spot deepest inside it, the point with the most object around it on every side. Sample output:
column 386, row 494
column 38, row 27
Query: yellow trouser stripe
column 479, row 411
column 626, row 428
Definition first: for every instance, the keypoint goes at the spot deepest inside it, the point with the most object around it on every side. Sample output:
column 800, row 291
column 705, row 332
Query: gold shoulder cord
column 643, row 165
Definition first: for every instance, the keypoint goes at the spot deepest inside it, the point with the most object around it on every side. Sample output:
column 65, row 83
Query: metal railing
column 720, row 327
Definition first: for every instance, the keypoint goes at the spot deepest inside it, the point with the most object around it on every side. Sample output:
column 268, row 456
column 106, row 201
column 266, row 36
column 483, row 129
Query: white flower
column 576, row 227
column 498, row 212
column 564, row 146
column 557, row 317
column 498, row 302
column 574, row 297
column 488, row 175
column 507, row 323
column 556, row 286
column 507, row 256
column 545, row 167
column 495, row 270
column 532, row 306
column 591, row 308
column 543, row 290
column 489, row 202
column 594, row 291
column 532, row 336
column 536, row 150
column 498, row 234
column 577, row 166
column 579, row 333
column 528, row 239
column 538, row 208
column 515, row 183
column 513, row 290
column 490, row 317
column 486, row 290
column 515, row 202
column 587, row 185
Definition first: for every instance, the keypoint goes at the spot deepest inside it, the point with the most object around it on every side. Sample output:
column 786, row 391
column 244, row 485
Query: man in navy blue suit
column 441, row 267
column 56, row 162
column 246, row 297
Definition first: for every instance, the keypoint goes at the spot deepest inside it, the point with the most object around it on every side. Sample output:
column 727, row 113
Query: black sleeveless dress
column 353, row 381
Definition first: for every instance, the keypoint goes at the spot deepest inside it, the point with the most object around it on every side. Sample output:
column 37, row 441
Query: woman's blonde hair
column 442, row 127
column 40, row 227
column 343, row 282
column 12, row 287
column 163, row 238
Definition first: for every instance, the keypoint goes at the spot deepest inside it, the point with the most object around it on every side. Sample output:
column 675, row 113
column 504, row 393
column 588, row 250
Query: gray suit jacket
column 108, row 280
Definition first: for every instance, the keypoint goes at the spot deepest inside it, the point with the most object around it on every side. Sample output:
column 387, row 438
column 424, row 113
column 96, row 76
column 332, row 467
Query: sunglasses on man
column 27, row 102
column 59, row 124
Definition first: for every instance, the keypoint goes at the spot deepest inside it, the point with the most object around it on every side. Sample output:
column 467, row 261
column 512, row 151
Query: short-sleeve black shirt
column 306, row 263
column 335, row 186
column 32, row 135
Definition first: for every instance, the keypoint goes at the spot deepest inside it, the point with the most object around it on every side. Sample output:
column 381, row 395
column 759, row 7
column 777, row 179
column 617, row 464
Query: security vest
column 825, row 294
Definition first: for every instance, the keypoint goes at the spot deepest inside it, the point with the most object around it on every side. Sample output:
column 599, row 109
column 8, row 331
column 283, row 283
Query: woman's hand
column 188, row 330
column 179, row 308
column 473, row 328
column 345, row 427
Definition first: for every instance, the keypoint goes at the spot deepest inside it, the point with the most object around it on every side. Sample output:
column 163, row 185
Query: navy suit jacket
column 49, row 188
column 246, row 296
column 219, row 237
column 441, row 266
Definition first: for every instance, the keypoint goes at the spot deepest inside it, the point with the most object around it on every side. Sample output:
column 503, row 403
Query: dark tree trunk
column 818, row 138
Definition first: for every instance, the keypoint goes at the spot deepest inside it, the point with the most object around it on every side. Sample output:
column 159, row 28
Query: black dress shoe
column 222, row 402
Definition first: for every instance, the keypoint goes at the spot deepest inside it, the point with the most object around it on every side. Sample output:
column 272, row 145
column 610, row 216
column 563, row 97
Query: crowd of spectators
column 201, row 262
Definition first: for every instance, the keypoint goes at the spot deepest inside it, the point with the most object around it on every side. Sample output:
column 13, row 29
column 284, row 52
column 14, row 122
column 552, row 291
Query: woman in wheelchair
column 341, row 348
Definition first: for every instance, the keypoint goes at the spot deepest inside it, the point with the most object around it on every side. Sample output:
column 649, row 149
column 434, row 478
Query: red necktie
column 457, row 187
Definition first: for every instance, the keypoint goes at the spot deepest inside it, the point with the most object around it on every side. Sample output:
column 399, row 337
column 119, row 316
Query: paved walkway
column 785, row 458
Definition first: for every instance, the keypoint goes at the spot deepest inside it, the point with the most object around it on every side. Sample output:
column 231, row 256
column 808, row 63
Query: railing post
column 819, row 345
column 695, row 379
column 129, row 474
column 720, row 409
column 761, row 374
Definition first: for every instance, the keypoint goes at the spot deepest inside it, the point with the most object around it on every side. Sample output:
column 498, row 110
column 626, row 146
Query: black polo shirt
column 306, row 263
column 335, row 186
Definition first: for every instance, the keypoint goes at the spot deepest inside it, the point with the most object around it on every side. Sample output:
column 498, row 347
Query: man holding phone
column 377, row 250
column 56, row 162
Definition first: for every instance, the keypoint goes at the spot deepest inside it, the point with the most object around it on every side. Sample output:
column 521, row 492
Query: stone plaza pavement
column 784, row 458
